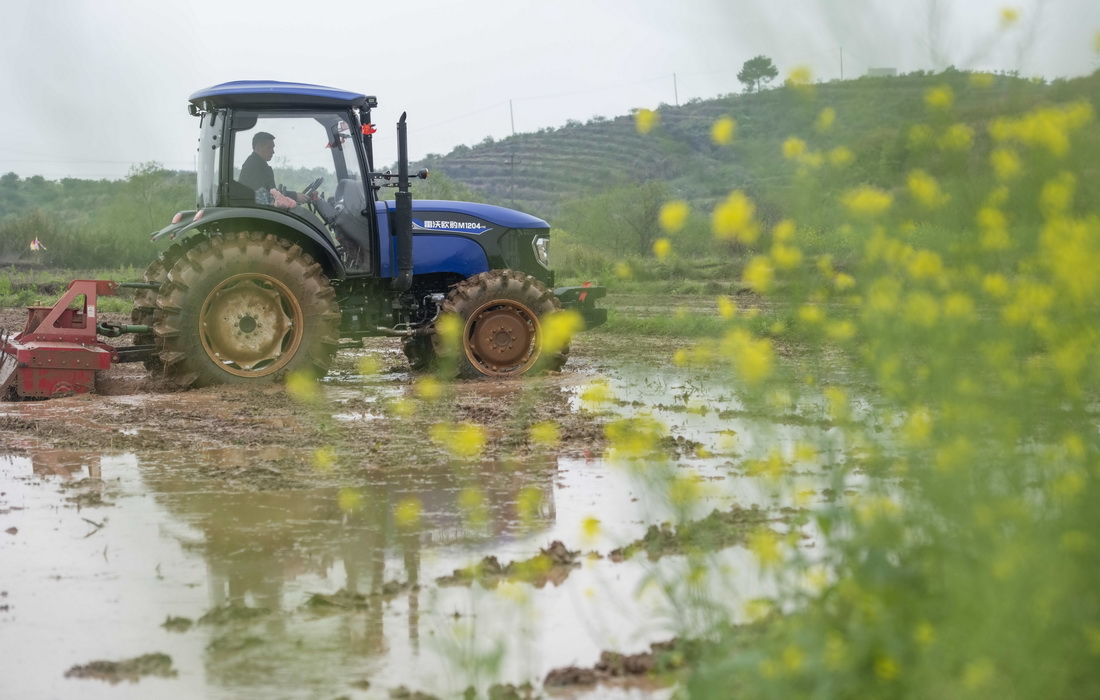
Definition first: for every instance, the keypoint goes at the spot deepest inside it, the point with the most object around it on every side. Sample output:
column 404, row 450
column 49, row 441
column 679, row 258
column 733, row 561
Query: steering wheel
column 312, row 186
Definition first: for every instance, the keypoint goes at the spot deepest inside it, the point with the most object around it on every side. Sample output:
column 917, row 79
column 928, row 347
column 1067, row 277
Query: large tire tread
column 210, row 261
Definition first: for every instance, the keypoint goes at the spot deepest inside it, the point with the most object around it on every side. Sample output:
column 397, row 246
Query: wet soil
column 380, row 420
column 131, row 670
column 550, row 565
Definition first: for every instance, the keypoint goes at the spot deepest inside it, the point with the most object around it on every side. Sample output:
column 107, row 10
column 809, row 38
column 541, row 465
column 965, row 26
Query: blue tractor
column 262, row 281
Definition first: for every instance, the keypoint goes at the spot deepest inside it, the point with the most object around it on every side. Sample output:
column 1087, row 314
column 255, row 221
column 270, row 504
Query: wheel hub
column 249, row 322
column 501, row 338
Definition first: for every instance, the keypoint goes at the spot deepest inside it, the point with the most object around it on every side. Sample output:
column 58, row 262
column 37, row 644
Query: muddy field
column 341, row 542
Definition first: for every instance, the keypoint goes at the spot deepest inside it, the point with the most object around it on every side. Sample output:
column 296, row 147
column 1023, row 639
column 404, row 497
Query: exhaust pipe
column 402, row 218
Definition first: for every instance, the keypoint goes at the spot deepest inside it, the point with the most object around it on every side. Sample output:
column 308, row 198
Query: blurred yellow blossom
column 407, row 512
column 759, row 274
column 841, row 156
column 794, row 148
column 1009, row 16
column 1006, row 164
column 727, row 309
column 545, row 433
column 673, row 215
column 723, row 131
column 926, row 189
column 734, row 219
column 866, row 201
column 428, row 388
column 958, row 137
column 662, row 247
column 940, row 97
column 303, row 387
column 825, row 120
column 645, row 120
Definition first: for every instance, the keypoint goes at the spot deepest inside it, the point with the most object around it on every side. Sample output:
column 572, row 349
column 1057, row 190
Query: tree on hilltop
column 757, row 73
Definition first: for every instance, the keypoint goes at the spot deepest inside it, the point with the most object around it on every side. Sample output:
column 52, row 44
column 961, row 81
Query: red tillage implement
column 58, row 352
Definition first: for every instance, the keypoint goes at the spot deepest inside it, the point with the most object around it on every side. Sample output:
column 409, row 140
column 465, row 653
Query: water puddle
column 332, row 588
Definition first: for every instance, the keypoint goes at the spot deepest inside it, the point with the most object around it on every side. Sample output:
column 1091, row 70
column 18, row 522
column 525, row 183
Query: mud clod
column 552, row 564
column 131, row 670
column 718, row 530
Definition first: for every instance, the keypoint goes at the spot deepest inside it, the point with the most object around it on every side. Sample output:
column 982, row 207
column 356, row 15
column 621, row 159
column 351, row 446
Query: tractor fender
column 248, row 218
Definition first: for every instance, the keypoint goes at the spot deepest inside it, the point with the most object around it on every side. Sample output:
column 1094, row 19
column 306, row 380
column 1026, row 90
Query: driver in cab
column 258, row 176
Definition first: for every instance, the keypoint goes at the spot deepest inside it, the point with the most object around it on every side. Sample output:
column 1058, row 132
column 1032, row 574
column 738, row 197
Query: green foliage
column 961, row 560
column 85, row 223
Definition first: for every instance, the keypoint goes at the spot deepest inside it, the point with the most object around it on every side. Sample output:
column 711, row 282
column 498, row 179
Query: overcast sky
column 92, row 87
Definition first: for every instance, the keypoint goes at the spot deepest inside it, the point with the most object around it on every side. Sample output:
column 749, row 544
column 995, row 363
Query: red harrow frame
column 58, row 352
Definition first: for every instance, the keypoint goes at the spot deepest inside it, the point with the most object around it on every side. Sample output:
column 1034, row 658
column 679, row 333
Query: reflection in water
column 340, row 543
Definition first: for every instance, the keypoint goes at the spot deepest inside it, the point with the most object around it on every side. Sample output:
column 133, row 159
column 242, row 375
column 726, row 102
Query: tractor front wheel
column 502, row 313
column 245, row 307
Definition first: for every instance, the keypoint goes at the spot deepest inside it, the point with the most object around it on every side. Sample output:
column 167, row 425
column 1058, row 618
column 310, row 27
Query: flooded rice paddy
column 227, row 543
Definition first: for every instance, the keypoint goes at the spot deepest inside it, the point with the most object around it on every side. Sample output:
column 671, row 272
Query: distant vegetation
column 600, row 184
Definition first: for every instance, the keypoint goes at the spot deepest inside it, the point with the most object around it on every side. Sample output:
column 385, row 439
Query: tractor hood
column 500, row 217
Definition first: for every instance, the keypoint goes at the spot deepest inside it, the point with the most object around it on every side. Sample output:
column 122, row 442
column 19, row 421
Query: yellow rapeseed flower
column 981, row 80
column 465, row 440
column 811, row 314
column 886, row 667
column 662, row 247
column 645, row 120
column 765, row 545
column 407, row 512
column 528, row 504
column 794, row 148
column 324, row 458
column 624, row 271
column 825, row 120
column 958, row 137
column 977, row 674
column 449, row 328
column 926, row 265
column 783, row 231
column 1006, row 163
column 1056, row 196
column 545, row 433
column 1049, row 127
column 753, row 358
column 800, row 76
column 673, row 215
column 926, row 189
column 723, row 131
column 841, row 156
column 349, row 500
column 922, row 309
column 598, row 392
column 429, row 388
column 785, row 257
column 590, row 528
column 843, row 281
column 759, row 274
column 303, row 387
column 866, row 201
column 369, row 365
column 941, row 97
column 1009, row 17
column 727, row 308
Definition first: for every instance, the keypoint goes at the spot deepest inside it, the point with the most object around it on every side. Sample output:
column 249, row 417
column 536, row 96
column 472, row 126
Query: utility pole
column 513, row 115
column 675, row 91
column 842, row 63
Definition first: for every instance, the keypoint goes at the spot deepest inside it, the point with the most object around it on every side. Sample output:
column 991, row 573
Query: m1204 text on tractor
column 260, row 282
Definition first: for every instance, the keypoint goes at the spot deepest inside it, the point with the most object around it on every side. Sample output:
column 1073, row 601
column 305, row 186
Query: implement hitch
column 58, row 353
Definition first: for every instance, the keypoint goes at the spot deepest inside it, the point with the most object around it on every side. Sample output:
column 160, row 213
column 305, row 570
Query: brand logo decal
column 456, row 226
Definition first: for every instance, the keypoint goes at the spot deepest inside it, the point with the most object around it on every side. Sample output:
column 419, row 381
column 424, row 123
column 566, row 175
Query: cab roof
column 273, row 93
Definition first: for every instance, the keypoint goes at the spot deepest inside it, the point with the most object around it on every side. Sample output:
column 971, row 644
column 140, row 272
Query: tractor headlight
column 542, row 251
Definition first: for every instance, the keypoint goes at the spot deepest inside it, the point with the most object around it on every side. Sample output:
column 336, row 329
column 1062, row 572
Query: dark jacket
column 256, row 173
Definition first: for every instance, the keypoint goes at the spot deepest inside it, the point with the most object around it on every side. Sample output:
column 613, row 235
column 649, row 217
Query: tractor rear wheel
column 245, row 307
column 502, row 312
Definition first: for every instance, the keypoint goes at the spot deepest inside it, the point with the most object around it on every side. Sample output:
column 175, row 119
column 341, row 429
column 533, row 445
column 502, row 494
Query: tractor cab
column 305, row 155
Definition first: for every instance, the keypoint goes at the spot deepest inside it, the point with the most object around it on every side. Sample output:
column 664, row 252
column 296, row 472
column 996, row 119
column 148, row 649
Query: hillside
column 539, row 172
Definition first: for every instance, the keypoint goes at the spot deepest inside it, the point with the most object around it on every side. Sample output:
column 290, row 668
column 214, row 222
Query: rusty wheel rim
column 502, row 337
column 251, row 325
